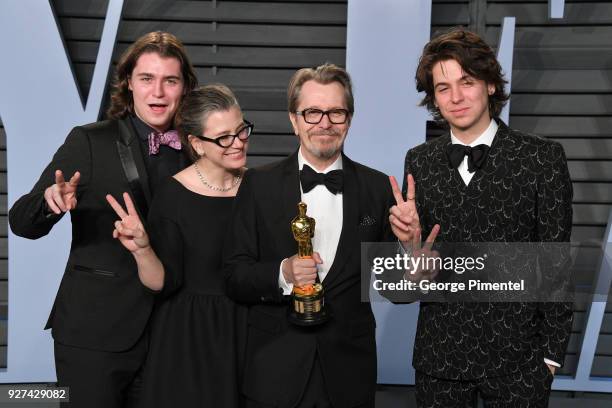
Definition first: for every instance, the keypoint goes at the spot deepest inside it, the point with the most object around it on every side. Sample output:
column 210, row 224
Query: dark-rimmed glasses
column 227, row 140
column 314, row 116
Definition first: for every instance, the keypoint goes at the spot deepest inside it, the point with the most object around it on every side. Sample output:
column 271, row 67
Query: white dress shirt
column 486, row 138
column 326, row 209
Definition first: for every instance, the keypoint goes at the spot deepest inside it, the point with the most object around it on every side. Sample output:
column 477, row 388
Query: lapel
column 497, row 153
column 448, row 173
column 133, row 165
column 499, row 147
column 349, row 237
column 290, row 197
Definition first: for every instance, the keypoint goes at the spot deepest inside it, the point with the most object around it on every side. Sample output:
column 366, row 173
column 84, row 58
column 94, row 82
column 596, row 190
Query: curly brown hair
column 162, row 43
column 476, row 59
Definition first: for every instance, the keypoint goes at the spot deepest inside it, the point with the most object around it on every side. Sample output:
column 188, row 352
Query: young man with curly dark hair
column 483, row 182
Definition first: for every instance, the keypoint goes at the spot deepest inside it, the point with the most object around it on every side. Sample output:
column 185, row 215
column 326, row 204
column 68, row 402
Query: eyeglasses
column 314, row 116
column 227, row 140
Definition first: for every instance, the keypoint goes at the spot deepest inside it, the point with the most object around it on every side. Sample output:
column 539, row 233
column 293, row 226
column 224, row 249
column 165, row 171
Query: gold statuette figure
column 307, row 301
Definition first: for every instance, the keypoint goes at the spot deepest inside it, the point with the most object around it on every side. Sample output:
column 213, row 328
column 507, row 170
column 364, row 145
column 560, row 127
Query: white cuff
column 552, row 363
column 282, row 283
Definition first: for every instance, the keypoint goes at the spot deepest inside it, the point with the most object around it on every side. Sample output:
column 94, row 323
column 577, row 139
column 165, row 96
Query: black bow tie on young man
column 333, row 180
column 476, row 155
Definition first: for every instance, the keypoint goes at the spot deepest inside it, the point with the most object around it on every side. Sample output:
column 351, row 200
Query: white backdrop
column 384, row 41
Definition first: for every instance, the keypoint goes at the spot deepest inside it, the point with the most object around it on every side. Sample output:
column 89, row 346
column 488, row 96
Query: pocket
column 94, row 272
column 368, row 233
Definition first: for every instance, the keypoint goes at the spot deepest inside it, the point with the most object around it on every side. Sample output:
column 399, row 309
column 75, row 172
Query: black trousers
column 100, row 379
column 526, row 388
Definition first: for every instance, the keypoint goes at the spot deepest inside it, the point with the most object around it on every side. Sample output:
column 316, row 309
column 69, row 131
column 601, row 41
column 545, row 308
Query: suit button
column 263, row 299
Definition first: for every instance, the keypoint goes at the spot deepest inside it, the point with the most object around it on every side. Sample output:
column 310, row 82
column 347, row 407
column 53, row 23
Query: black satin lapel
column 349, row 237
column 134, row 168
column 290, row 195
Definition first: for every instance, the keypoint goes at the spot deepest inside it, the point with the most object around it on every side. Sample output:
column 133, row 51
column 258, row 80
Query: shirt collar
column 336, row 165
column 485, row 138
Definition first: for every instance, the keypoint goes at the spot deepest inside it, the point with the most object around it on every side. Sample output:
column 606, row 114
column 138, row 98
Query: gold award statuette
column 307, row 302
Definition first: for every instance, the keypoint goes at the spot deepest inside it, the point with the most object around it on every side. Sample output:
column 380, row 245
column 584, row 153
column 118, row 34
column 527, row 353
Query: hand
column 422, row 273
column 129, row 231
column 301, row 271
column 61, row 196
column 552, row 368
column 404, row 217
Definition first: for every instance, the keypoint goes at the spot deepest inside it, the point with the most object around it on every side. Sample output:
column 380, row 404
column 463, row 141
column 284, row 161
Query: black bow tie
column 333, row 180
column 476, row 155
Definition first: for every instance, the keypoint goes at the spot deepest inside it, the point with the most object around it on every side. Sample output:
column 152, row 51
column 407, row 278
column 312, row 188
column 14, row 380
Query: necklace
column 207, row 184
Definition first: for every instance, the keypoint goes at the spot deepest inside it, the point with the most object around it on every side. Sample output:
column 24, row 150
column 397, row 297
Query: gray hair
column 323, row 74
column 197, row 106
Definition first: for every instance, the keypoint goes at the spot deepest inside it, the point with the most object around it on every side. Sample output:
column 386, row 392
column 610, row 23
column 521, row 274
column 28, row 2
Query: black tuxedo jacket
column 101, row 303
column 523, row 193
column 280, row 355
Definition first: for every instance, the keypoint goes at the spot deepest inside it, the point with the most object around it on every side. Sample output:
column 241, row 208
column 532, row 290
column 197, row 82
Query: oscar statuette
column 307, row 302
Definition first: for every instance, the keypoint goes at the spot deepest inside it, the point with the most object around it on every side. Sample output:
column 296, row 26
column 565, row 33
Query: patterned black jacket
column 523, row 193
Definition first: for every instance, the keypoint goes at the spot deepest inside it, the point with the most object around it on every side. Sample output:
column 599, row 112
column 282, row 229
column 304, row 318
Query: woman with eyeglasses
column 195, row 333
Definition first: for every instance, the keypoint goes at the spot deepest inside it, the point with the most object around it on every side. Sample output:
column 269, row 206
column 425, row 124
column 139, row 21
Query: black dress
column 195, row 344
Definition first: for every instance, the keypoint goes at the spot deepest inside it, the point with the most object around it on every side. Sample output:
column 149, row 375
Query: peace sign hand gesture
column 61, row 196
column 129, row 230
column 406, row 226
column 404, row 217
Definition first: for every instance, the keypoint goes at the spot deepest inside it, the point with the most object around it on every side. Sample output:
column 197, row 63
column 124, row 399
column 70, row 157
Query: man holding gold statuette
column 293, row 255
